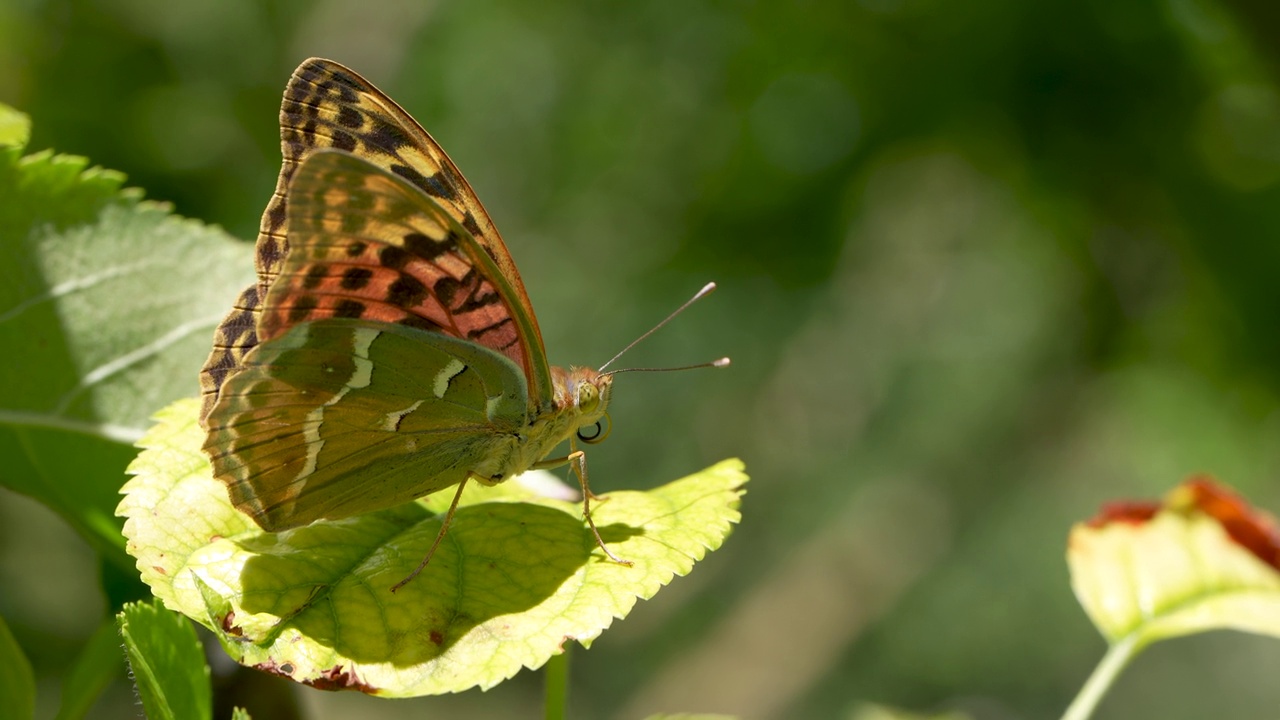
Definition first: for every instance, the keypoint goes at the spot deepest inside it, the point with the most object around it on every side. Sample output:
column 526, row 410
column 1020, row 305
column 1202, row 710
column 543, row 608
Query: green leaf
column 1145, row 572
column 167, row 663
column 99, row 662
column 107, row 309
column 15, row 127
column 17, row 681
column 240, row 713
column 517, row 575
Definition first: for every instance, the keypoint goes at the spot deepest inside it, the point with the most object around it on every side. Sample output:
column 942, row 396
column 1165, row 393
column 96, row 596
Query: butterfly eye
column 601, row 432
column 588, row 398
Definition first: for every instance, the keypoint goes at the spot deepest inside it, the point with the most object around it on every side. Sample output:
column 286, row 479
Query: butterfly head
column 585, row 393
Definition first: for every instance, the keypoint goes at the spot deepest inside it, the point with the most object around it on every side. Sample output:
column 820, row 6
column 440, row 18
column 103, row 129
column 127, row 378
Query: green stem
column 556, row 675
column 1117, row 657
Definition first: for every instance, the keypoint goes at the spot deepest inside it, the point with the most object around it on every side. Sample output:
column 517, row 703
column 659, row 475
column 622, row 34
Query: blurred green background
column 983, row 266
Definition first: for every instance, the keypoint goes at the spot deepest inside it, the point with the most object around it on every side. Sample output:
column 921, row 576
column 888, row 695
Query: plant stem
column 556, row 676
column 1117, row 657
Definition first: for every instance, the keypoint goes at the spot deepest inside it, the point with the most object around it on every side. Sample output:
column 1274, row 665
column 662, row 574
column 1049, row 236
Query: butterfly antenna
column 722, row 362
column 706, row 290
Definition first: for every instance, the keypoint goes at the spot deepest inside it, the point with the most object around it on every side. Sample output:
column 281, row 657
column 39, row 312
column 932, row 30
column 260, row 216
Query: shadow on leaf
column 331, row 581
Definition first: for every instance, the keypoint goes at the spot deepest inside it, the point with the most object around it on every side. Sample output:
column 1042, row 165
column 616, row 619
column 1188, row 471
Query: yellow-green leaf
column 15, row 127
column 517, row 576
column 1192, row 565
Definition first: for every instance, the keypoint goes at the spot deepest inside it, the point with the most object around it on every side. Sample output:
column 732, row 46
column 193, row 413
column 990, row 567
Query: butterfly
column 388, row 349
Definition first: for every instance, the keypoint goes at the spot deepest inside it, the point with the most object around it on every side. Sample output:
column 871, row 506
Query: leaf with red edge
column 1203, row 559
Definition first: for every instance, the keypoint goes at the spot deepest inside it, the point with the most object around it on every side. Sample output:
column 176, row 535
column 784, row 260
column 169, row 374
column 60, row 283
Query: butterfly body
column 388, row 349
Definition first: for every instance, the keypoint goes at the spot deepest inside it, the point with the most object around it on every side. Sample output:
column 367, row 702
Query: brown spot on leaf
column 270, row 666
column 229, row 625
column 437, row 637
column 337, row 678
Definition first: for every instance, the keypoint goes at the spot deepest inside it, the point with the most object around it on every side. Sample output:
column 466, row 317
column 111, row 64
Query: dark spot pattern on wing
column 302, row 308
column 393, row 256
column 315, row 275
column 429, row 248
column 356, row 278
column 385, row 136
column 413, row 264
column 348, row 308
column 406, row 292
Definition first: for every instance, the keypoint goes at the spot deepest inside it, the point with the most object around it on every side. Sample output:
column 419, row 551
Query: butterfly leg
column 578, row 461
column 444, row 527
column 570, row 459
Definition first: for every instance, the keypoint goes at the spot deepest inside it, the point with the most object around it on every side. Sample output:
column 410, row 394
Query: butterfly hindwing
column 340, row 416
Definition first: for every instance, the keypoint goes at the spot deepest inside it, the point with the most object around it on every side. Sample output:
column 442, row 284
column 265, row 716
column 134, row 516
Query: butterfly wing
column 389, row 362
column 366, row 244
column 340, row 417
column 329, row 106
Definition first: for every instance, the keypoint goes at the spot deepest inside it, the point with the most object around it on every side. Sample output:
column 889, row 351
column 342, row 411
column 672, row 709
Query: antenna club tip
column 722, row 362
column 705, row 289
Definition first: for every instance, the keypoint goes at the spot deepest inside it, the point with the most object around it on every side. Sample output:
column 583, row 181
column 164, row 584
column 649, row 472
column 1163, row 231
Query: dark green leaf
column 17, row 681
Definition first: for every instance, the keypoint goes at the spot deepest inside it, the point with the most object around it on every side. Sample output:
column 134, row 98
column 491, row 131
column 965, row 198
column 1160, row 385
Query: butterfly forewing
column 368, row 245
column 340, row 416
column 329, row 106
